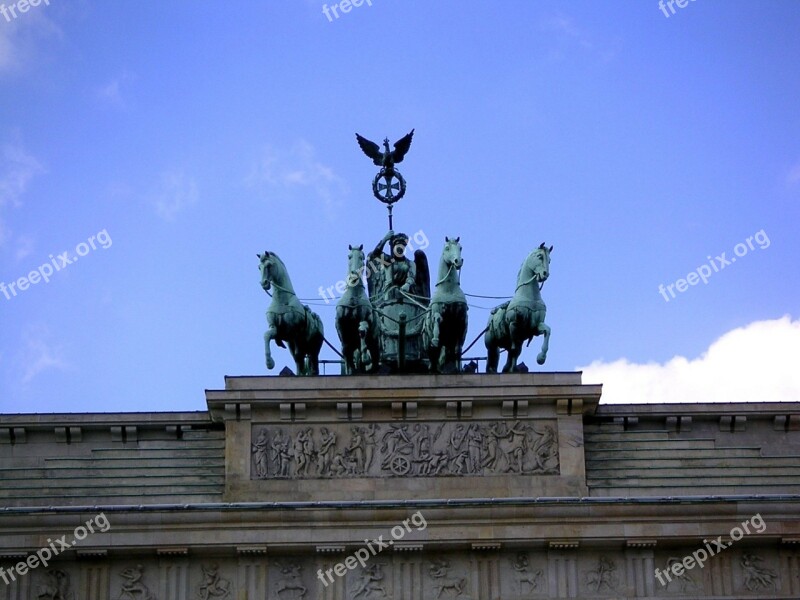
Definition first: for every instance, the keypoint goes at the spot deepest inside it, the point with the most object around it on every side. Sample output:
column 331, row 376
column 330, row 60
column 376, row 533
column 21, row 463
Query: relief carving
column 290, row 585
column 755, row 576
column 525, row 578
column 213, row 585
column 405, row 450
column 133, row 588
column 685, row 579
column 369, row 582
column 603, row 575
column 443, row 581
column 261, row 454
column 58, row 586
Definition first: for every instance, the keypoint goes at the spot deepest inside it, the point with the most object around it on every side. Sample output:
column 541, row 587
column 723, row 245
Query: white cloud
column 38, row 355
column 567, row 35
column 755, row 363
column 17, row 170
column 19, row 37
column 114, row 92
column 25, row 246
column 176, row 192
column 296, row 169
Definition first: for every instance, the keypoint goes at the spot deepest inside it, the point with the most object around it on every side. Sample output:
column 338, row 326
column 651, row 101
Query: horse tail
column 314, row 329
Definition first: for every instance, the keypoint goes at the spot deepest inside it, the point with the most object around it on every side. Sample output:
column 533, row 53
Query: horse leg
column 366, row 356
column 299, row 358
column 492, row 359
column 513, row 346
column 545, row 330
column 347, row 354
column 441, row 361
column 269, row 335
column 458, row 345
column 436, row 317
column 492, row 350
column 513, row 349
column 313, row 363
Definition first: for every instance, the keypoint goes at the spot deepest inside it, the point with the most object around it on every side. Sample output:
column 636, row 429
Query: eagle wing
column 371, row 149
column 423, row 281
column 401, row 147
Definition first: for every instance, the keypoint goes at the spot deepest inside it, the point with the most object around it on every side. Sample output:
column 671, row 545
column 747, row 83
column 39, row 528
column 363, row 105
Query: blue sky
column 192, row 135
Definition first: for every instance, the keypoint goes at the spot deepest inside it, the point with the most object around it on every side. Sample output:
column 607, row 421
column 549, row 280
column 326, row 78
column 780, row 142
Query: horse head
column 539, row 262
column 265, row 267
column 273, row 272
column 451, row 255
column 355, row 264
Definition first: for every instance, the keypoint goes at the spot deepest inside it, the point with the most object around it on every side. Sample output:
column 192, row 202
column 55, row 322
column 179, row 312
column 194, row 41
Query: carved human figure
column 685, row 578
column 355, row 451
column 370, row 433
column 421, row 441
column 343, row 465
column 290, row 581
column 261, row 454
column 395, row 441
column 213, row 585
column 325, row 452
column 474, row 449
column 494, row 452
column 545, row 449
column 369, row 582
column 133, row 588
column 57, row 587
column 603, row 575
column 519, row 439
column 282, row 455
column 457, row 437
column 303, row 451
column 439, row 571
column 524, row 574
column 756, row 576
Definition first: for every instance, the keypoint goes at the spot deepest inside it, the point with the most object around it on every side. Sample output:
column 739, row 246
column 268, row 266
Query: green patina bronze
column 445, row 326
column 399, row 290
column 289, row 321
column 388, row 186
column 356, row 321
column 522, row 318
column 394, row 325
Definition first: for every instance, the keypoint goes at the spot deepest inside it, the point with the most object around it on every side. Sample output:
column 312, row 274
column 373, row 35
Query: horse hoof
column 541, row 358
column 270, row 363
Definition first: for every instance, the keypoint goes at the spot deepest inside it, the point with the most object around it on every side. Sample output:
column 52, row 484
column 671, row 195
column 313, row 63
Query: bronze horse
column 445, row 326
column 289, row 321
column 356, row 322
column 511, row 323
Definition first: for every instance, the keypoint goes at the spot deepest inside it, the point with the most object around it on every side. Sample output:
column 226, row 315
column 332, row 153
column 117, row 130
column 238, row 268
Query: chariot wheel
column 388, row 187
column 400, row 465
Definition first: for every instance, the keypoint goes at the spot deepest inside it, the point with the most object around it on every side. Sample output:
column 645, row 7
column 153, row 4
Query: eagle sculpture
column 386, row 158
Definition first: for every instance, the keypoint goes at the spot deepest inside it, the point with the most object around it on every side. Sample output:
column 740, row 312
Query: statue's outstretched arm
column 379, row 248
